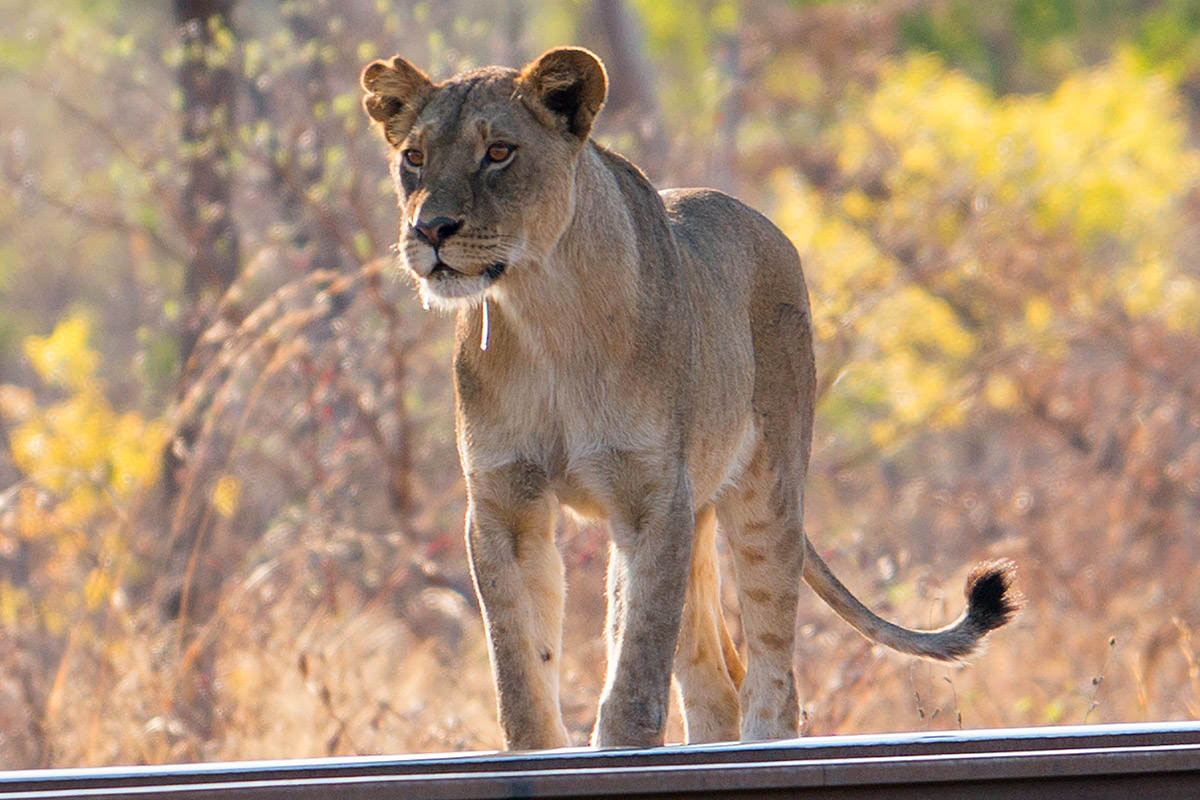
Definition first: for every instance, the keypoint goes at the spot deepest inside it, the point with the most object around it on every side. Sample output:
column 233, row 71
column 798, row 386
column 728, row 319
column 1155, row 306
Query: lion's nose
column 436, row 230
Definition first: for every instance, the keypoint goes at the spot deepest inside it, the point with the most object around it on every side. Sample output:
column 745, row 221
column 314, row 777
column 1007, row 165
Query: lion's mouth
column 444, row 285
column 443, row 271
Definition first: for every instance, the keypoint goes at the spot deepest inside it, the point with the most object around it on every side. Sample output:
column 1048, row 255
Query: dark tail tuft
column 992, row 597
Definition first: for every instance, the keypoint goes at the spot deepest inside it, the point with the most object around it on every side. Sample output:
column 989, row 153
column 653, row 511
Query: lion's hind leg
column 768, row 555
column 762, row 514
column 708, row 669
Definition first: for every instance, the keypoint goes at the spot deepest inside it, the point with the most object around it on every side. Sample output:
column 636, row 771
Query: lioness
column 640, row 357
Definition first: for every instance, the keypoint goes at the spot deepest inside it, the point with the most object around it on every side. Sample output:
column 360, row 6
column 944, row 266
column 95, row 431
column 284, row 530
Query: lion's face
column 483, row 186
column 484, row 165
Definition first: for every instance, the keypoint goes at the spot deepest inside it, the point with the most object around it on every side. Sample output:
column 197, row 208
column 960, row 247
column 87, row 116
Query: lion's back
column 725, row 234
column 731, row 251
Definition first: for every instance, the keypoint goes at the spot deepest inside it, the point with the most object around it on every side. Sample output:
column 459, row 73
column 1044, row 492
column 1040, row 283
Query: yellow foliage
column 856, row 205
column 80, row 449
column 883, row 433
column 52, row 617
column 1000, row 391
column 1182, row 306
column 1152, row 287
column 1038, row 313
column 931, row 116
column 909, row 345
column 225, row 495
column 911, row 317
column 13, row 602
column 841, row 262
column 1100, row 167
column 82, row 462
column 1119, row 161
column 1105, row 154
column 96, row 588
column 916, row 387
column 1143, row 286
column 63, row 358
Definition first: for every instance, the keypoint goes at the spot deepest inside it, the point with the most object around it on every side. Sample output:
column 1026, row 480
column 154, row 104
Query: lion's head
column 483, row 163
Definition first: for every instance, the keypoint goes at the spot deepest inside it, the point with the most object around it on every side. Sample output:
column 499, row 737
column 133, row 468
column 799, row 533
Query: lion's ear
column 395, row 93
column 571, row 83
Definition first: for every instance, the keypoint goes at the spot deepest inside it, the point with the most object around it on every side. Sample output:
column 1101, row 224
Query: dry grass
column 297, row 673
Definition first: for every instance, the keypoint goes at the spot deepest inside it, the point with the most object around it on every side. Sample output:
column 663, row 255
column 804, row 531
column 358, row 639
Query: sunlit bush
column 84, row 463
column 970, row 222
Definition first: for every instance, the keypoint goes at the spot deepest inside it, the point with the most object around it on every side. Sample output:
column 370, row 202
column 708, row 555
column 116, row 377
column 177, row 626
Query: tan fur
column 649, row 362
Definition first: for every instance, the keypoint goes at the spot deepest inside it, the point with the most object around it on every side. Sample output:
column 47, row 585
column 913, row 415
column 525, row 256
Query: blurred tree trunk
column 305, row 160
column 631, row 100
column 208, row 83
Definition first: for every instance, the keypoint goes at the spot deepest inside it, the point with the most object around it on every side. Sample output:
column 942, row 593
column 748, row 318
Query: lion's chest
column 580, row 430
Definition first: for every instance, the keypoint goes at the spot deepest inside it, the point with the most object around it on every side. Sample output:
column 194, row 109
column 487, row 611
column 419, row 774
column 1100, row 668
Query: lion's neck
column 581, row 304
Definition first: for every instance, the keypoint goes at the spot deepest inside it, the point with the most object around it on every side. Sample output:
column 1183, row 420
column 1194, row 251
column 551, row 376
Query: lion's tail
column 992, row 600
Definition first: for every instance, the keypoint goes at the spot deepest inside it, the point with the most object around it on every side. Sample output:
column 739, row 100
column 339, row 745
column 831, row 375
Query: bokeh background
column 230, row 507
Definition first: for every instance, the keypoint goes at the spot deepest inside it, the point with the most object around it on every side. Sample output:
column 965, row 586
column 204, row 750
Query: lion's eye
column 413, row 158
column 500, row 151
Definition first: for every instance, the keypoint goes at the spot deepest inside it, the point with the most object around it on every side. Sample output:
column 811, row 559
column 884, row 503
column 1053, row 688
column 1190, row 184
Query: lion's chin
column 447, row 288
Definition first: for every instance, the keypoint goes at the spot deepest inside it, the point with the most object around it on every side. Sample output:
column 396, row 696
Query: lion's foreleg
column 518, row 574
column 648, row 576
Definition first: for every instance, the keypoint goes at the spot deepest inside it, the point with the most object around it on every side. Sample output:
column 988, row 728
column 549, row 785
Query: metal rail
column 1159, row 760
